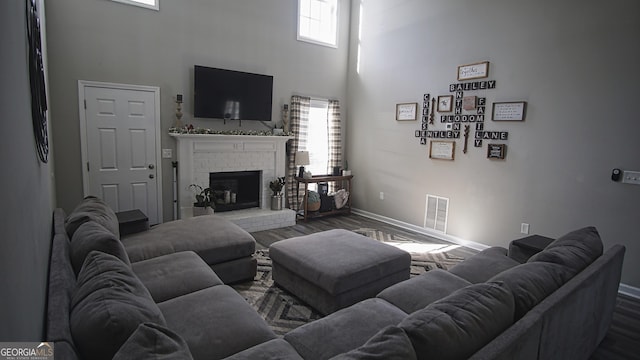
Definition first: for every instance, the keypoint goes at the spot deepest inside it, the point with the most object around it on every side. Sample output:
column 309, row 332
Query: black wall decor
column 37, row 82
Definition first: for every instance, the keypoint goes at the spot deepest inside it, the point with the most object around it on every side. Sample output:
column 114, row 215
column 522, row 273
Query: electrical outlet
column 167, row 153
column 381, row 195
column 524, row 228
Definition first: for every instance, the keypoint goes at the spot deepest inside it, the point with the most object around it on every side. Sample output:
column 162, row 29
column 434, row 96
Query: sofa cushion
column 484, row 265
column 92, row 236
column 92, row 208
column 216, row 322
column 153, row 341
column 276, row 349
column 531, row 282
column 173, row 275
column 460, row 324
column 108, row 305
column 388, row 344
column 419, row 291
column 214, row 238
column 344, row 330
column 576, row 249
column 62, row 283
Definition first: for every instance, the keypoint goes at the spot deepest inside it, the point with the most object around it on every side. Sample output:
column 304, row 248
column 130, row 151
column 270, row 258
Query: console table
column 304, row 213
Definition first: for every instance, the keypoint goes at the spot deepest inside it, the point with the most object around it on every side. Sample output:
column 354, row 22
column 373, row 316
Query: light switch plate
column 167, row 153
column 631, row 177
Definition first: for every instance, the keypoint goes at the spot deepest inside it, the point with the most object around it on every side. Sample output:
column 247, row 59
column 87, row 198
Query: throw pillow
column 390, row 343
column 462, row 323
column 153, row 341
column 530, row 283
column 92, row 208
column 108, row 305
column 576, row 249
column 93, row 236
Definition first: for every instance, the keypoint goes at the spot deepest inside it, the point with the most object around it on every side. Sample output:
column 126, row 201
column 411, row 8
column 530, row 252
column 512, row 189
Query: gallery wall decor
column 509, row 111
column 442, row 150
column 406, row 111
column 473, row 71
column 496, row 151
column 462, row 115
column 445, row 103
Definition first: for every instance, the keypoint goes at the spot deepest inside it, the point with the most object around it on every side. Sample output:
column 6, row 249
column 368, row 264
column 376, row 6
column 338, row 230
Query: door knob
column 151, row 176
column 151, row 166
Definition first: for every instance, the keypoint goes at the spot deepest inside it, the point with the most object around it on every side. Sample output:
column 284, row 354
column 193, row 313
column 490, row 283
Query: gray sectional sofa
column 103, row 304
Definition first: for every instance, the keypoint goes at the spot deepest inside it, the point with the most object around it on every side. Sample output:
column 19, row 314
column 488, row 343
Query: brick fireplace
column 199, row 155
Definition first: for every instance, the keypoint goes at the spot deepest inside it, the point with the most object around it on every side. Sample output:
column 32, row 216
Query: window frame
column 155, row 7
column 336, row 21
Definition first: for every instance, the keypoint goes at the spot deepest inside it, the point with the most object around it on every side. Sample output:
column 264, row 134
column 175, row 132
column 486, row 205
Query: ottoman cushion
column 339, row 260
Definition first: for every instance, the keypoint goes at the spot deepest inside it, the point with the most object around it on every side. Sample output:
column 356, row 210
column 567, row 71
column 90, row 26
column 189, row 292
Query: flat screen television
column 229, row 94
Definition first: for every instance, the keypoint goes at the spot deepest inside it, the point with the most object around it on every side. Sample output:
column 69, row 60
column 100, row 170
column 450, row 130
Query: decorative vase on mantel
column 276, row 201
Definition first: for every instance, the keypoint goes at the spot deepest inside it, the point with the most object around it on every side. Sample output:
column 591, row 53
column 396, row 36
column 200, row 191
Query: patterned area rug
column 284, row 312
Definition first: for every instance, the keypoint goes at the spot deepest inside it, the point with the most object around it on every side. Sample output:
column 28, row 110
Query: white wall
column 574, row 62
column 25, row 192
column 102, row 40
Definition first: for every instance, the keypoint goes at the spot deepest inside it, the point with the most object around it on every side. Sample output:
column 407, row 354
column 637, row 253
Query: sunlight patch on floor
column 416, row 248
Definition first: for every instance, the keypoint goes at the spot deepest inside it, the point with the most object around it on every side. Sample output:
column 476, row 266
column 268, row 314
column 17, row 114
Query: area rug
column 284, row 312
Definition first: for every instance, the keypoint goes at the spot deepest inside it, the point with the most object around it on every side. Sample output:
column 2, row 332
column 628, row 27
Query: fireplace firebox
column 235, row 190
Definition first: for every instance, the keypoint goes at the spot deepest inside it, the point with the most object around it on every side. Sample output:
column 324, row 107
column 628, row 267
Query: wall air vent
column 436, row 213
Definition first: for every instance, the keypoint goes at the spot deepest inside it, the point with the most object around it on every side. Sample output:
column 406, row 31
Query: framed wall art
column 496, row 151
column 473, row 71
column 406, row 111
column 442, row 150
column 445, row 103
column 509, row 111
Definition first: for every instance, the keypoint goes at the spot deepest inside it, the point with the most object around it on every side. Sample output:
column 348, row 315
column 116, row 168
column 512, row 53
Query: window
column 318, row 21
column 318, row 137
column 149, row 4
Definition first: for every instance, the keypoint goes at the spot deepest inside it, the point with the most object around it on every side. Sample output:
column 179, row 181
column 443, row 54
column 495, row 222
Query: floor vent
column 436, row 213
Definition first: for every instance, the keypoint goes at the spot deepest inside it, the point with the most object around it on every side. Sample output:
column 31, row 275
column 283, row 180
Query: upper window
column 149, row 4
column 318, row 21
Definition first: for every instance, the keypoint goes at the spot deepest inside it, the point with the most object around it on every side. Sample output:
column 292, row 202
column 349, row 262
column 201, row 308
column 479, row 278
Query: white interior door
column 122, row 146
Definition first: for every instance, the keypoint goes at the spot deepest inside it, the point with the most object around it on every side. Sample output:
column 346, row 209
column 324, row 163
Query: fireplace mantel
column 200, row 154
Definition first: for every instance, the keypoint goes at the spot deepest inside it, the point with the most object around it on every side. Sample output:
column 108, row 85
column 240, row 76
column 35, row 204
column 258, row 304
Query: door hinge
column 85, row 104
column 87, row 166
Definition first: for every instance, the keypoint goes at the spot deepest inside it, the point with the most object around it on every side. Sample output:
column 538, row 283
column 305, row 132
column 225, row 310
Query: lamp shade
column 302, row 158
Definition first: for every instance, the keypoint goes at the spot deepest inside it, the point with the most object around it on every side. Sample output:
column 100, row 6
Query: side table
column 522, row 249
column 132, row 221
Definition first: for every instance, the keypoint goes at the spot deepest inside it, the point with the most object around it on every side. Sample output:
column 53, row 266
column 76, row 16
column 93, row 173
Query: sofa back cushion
column 108, row 305
column 93, row 236
column 531, row 282
column 154, row 341
column 460, row 324
column 576, row 249
column 92, row 208
column 389, row 343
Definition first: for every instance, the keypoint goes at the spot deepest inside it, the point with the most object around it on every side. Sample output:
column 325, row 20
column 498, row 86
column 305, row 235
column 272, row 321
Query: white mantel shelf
column 200, row 154
column 277, row 138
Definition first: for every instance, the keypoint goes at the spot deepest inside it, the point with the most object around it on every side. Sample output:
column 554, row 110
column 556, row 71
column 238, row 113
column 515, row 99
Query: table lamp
column 302, row 159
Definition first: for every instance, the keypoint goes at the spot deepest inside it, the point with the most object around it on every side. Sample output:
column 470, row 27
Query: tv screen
column 228, row 94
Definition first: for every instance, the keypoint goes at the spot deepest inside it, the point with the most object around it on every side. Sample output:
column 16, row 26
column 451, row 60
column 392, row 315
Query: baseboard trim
column 622, row 289
column 421, row 230
column 629, row 291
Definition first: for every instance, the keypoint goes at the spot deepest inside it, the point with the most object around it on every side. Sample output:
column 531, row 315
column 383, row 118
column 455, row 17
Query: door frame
column 84, row 149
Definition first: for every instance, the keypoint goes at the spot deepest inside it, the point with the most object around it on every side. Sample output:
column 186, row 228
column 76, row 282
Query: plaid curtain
column 334, row 139
column 299, row 125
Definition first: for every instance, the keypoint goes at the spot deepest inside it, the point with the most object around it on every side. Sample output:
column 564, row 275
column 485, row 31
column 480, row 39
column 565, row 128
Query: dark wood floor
column 621, row 342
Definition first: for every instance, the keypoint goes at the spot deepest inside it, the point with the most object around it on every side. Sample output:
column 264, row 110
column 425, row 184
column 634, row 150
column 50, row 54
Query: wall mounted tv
column 229, row 94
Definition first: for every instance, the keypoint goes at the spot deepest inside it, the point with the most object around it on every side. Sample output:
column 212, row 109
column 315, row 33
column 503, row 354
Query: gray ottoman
column 334, row 269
